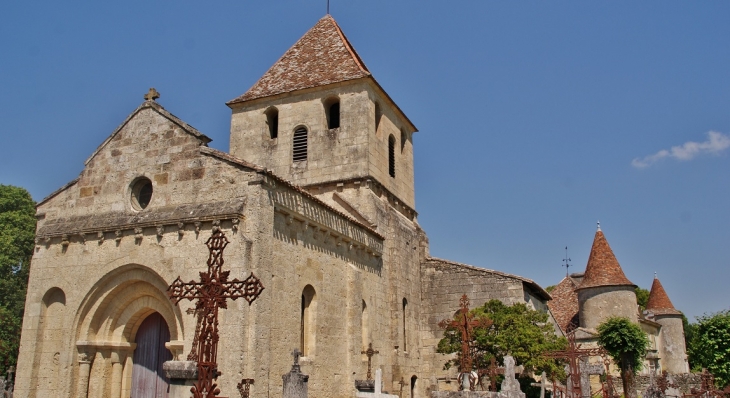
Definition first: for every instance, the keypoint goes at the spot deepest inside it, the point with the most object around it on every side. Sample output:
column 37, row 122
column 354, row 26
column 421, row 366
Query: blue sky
column 536, row 118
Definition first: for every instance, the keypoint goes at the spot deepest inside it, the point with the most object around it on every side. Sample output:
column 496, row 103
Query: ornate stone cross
column 370, row 352
column 573, row 354
column 152, row 95
column 465, row 324
column 211, row 294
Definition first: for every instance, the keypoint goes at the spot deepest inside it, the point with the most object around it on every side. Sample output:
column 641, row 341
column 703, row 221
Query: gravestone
column 586, row 370
column 510, row 385
column 378, row 393
column 295, row 383
column 542, row 384
column 672, row 390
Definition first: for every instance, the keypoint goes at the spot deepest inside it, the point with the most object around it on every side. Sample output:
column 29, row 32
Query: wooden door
column 148, row 379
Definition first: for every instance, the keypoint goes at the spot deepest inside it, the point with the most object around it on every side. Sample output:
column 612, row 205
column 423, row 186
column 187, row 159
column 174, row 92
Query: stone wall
column 597, row 304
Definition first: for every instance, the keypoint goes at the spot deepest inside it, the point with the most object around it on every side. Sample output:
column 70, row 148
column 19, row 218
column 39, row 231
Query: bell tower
column 318, row 118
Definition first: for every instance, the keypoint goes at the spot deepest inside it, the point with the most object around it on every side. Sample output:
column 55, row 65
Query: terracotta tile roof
column 659, row 302
column 564, row 305
column 603, row 269
column 322, row 56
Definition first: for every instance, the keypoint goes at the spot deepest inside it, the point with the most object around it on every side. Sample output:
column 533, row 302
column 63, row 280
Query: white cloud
column 716, row 143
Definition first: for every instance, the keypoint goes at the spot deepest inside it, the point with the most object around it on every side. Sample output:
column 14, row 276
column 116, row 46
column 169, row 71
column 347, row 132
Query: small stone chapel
column 316, row 199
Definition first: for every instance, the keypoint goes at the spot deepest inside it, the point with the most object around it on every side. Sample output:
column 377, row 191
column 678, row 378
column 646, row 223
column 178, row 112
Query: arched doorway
column 148, row 379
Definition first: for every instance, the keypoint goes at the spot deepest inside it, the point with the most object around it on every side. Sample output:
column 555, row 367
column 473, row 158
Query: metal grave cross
column 370, row 352
column 465, row 324
column 211, row 294
column 492, row 372
column 573, row 354
column 244, row 387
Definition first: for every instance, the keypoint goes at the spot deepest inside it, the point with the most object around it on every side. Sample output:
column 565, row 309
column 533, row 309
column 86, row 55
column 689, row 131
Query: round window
column 141, row 193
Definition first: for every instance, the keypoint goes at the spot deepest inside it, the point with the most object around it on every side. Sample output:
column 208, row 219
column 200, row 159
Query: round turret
column 605, row 291
column 674, row 351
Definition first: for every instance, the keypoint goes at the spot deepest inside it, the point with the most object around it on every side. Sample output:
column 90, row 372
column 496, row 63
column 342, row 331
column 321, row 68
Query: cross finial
column 566, row 260
column 654, row 274
column 598, row 223
column 152, row 95
column 296, row 354
column 328, row 7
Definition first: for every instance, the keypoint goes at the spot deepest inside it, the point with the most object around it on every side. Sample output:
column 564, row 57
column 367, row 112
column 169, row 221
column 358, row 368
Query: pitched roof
column 322, row 56
column 603, row 269
column 564, row 305
column 659, row 302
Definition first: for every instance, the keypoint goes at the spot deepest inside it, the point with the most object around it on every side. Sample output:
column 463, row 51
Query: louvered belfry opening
column 391, row 156
column 300, row 145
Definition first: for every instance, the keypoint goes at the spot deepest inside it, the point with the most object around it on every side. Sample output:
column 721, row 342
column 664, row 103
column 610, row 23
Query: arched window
column 391, row 155
column 378, row 115
column 272, row 120
column 332, row 107
column 405, row 336
column 308, row 314
column 365, row 324
column 414, row 379
column 299, row 149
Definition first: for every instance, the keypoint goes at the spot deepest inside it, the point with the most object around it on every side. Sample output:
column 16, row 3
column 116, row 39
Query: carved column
column 117, row 358
column 85, row 359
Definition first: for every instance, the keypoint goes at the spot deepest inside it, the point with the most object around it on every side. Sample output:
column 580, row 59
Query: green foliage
column 625, row 342
column 642, row 297
column 550, row 288
column 709, row 346
column 516, row 330
column 17, row 235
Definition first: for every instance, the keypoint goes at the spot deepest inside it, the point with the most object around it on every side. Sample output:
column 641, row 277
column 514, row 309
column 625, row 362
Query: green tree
column 550, row 288
column 709, row 346
column 17, row 235
column 516, row 330
column 642, row 297
column 626, row 343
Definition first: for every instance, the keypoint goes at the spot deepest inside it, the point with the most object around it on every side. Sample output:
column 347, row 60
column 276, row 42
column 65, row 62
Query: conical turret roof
column 659, row 302
column 603, row 269
column 322, row 56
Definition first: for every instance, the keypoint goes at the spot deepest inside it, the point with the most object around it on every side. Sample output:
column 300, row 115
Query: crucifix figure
column 370, row 352
column 573, row 354
column 211, row 294
column 465, row 324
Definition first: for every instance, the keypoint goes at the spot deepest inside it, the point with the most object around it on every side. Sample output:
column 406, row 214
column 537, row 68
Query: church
column 316, row 199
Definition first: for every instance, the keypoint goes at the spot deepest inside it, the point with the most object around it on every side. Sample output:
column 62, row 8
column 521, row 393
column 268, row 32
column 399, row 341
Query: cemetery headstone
column 510, row 385
column 295, row 382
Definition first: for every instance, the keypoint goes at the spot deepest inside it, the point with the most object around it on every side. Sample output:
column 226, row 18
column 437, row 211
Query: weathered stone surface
column 187, row 370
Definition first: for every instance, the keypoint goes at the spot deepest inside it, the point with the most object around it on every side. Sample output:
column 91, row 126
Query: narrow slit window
column 272, row 120
column 405, row 336
column 391, row 156
column 299, row 152
column 333, row 121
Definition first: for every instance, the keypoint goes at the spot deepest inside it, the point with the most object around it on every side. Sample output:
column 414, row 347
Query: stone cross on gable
column 586, row 370
column 152, row 95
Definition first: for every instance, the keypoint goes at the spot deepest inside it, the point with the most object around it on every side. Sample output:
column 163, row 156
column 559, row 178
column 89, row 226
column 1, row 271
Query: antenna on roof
column 566, row 261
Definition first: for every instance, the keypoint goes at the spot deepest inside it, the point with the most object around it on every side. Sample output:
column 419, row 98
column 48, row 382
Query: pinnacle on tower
column 659, row 302
column 603, row 269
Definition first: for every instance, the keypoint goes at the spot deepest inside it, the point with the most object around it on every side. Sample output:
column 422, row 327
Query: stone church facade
column 317, row 200
column 582, row 301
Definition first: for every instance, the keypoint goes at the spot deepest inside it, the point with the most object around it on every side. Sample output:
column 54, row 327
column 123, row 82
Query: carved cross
column 211, row 294
column 465, row 324
column 244, row 387
column 573, row 354
column 152, row 95
column 370, row 352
